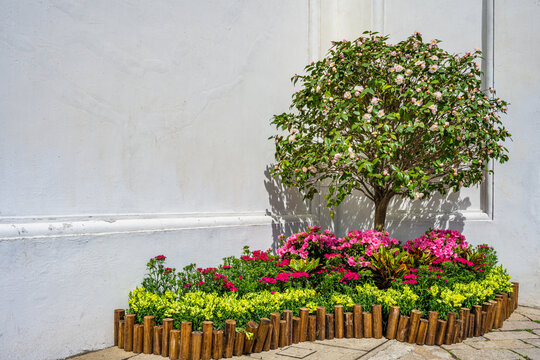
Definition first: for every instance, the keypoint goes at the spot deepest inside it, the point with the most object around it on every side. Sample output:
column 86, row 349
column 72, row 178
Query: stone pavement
column 519, row 338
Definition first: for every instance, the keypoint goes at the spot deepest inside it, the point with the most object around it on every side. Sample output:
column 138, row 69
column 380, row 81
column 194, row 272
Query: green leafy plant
column 405, row 120
column 303, row 265
column 389, row 264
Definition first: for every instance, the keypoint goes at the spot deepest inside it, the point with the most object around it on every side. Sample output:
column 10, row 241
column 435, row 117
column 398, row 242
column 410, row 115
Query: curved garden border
column 284, row 329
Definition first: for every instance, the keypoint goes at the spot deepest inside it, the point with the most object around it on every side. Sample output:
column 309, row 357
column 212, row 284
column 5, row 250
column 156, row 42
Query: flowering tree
column 403, row 120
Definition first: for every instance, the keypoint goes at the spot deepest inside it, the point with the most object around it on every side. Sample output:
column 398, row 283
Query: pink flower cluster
column 284, row 277
column 444, row 244
column 352, row 247
column 350, row 276
column 370, row 239
column 257, row 255
column 300, row 243
column 283, row 263
column 329, row 256
column 159, row 257
column 229, row 285
column 463, row 261
column 410, row 279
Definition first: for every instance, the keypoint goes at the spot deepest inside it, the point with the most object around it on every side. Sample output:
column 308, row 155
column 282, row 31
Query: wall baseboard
column 106, row 224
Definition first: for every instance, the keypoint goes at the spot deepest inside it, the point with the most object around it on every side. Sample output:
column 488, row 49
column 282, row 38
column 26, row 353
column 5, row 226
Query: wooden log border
column 282, row 329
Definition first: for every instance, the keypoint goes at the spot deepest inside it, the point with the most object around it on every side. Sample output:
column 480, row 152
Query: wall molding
column 76, row 226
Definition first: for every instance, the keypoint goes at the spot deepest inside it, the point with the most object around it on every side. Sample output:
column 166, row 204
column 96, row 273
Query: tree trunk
column 381, row 205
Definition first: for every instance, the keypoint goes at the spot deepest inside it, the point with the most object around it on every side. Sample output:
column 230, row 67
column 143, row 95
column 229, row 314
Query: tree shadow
column 405, row 219
column 289, row 211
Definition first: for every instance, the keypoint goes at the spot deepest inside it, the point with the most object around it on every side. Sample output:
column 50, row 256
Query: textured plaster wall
column 131, row 129
column 503, row 212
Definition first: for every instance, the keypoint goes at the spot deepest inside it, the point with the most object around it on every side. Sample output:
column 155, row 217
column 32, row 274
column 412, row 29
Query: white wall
column 503, row 212
column 131, row 129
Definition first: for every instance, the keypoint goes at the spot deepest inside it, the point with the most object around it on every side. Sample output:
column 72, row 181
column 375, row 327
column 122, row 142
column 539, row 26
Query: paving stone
column 318, row 351
column 354, row 344
column 296, row 352
column 145, row 357
column 499, row 354
column 528, row 310
column 537, row 332
column 530, row 313
column 112, row 353
column 500, row 344
column 390, row 350
column 517, row 316
column 432, row 352
column 519, row 325
column 532, row 353
column 474, row 339
column 535, row 342
column 503, row 335
column 412, row 356
column 457, row 346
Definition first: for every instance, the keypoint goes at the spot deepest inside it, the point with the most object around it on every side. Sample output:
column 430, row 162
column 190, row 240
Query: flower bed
column 431, row 290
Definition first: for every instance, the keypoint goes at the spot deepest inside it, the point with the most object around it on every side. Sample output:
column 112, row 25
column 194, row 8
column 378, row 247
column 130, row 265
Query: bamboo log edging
column 129, row 326
column 275, row 318
column 185, row 340
column 165, row 336
column 367, row 318
column 296, row 329
column 338, row 321
column 312, row 328
column 118, row 315
column 196, row 345
column 230, row 331
column 268, row 340
column 148, row 334
column 120, row 334
column 138, row 334
column 403, row 328
column 414, row 322
column 174, row 344
column 433, row 318
column 158, row 339
column 284, row 329
column 329, row 326
column 251, row 331
column 321, row 323
column 393, row 318
column 239, row 343
column 287, row 316
column 206, row 348
column 262, row 332
column 304, row 313
column 422, row 332
column 358, row 322
column 217, row 344
column 376, row 311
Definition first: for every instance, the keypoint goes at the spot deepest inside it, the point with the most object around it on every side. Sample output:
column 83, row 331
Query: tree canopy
column 405, row 120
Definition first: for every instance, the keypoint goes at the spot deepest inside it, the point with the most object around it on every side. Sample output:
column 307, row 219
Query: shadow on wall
column 405, row 219
column 289, row 211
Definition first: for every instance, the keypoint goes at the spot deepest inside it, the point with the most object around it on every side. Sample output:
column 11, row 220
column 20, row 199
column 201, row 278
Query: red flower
column 159, row 257
column 283, row 263
column 167, row 270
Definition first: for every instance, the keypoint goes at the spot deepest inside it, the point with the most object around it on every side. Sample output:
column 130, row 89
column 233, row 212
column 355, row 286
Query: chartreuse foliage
column 200, row 306
column 316, row 268
column 406, row 119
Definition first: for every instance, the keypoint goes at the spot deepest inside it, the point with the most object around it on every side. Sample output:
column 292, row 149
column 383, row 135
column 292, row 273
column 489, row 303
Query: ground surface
column 519, row 338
